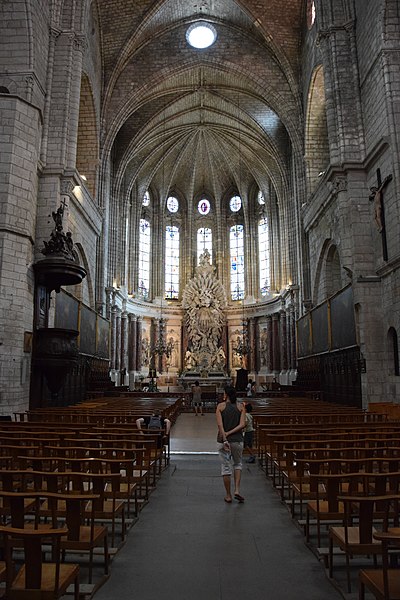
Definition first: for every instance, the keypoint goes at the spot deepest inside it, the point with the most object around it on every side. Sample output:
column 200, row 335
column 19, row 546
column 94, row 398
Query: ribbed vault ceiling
column 213, row 120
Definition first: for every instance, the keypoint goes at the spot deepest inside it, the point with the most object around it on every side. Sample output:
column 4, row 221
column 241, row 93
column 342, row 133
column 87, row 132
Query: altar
column 203, row 302
column 216, row 379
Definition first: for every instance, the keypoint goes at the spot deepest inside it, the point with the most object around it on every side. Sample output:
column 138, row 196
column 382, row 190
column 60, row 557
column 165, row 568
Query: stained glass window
column 146, row 199
column 236, row 246
column 172, row 204
column 235, row 203
column 204, row 241
column 144, row 258
column 260, row 198
column 203, row 206
column 263, row 256
column 171, row 261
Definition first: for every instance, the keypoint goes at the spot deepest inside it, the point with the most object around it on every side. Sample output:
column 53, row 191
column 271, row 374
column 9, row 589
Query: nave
column 189, row 544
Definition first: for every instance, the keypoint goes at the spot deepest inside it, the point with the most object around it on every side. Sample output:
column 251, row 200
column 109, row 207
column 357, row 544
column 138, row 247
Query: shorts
column 248, row 439
column 197, row 403
column 232, row 461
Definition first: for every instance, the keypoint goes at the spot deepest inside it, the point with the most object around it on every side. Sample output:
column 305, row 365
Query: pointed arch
column 87, row 156
column 328, row 278
column 316, row 134
column 83, row 291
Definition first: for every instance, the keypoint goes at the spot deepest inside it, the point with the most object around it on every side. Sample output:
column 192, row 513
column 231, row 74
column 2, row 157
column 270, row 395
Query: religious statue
column 264, row 347
column 172, row 355
column 203, row 301
column 220, row 360
column 376, row 196
column 60, row 243
column 189, row 361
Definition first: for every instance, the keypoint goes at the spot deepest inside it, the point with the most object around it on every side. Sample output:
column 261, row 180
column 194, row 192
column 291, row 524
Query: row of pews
column 73, row 481
column 337, row 469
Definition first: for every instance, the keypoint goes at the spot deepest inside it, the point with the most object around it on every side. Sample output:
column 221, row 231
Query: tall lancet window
column 263, row 256
column 236, row 247
column 204, row 241
column 144, row 258
column 171, row 261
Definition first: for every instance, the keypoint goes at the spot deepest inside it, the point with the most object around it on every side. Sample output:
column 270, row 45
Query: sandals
column 239, row 498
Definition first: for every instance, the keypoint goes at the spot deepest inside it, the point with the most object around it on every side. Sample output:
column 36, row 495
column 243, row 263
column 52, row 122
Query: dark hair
column 196, row 383
column 231, row 393
column 249, row 407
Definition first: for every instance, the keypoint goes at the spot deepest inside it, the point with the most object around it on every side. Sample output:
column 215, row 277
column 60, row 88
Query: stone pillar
column 153, row 338
column 270, row 345
column 118, row 343
column 124, row 347
column 293, row 365
column 113, row 342
column 139, row 333
column 20, row 135
column 275, row 343
column 289, row 334
column 162, row 360
column 283, row 342
column 252, row 344
column 132, row 344
column 257, row 357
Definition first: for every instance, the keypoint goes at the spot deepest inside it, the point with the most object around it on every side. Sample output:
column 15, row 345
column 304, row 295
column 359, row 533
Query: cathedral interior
column 194, row 188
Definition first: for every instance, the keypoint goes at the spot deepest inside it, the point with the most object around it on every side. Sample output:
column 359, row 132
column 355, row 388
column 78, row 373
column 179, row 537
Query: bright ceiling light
column 201, row 35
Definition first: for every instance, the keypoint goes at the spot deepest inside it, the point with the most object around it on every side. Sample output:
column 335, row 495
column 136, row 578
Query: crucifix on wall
column 376, row 196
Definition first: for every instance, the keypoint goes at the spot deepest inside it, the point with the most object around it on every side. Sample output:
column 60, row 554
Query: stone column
column 113, row 342
column 257, row 361
column 153, row 336
column 275, row 343
column 269, row 343
column 293, row 341
column 283, row 341
column 162, row 333
column 118, row 343
column 131, row 350
column 252, row 344
column 139, row 333
column 124, row 347
column 132, row 344
column 289, row 334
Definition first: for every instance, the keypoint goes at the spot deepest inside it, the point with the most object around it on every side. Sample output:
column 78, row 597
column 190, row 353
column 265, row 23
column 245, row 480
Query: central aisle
column 190, row 545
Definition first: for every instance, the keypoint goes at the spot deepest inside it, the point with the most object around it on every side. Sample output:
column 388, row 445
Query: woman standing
column 231, row 419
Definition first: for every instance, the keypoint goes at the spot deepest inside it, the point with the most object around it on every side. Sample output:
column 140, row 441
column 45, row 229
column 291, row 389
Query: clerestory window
column 263, row 256
column 171, row 262
column 144, row 258
column 236, row 248
column 204, row 241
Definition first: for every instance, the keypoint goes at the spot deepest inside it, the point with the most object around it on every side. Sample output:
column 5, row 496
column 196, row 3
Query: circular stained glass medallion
column 203, row 206
column 172, row 204
column 235, row 203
